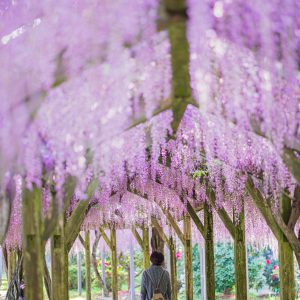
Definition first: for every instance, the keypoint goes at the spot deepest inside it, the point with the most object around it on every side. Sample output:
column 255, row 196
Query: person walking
column 156, row 284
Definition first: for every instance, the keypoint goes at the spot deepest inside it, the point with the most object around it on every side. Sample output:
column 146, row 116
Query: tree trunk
column 94, row 262
column 286, row 258
column 240, row 263
column 209, row 253
column 32, row 244
column 88, row 265
column 188, row 258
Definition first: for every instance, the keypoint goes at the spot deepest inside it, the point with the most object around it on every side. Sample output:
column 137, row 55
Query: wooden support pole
column 240, row 263
column 181, row 90
column 88, row 280
column 175, row 226
column 173, row 268
column 66, row 275
column 286, row 258
column 137, row 237
column 114, row 264
column 203, row 273
column 58, row 262
column 146, row 247
column 188, row 258
column 206, row 231
column 209, row 253
column 32, row 244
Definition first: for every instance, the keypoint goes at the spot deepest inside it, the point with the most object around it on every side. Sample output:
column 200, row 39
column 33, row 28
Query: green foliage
column 199, row 174
column 256, row 265
column 224, row 267
column 73, row 276
column 271, row 272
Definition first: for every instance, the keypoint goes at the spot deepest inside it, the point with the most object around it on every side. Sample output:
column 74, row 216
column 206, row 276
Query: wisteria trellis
column 75, row 84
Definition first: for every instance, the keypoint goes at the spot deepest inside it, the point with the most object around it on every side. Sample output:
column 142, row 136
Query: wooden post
column 146, row 247
column 32, row 244
column 58, row 262
column 240, row 264
column 88, row 264
column 236, row 228
column 114, row 263
column 173, row 268
column 66, row 275
column 181, row 90
column 79, row 274
column 188, row 258
column 203, row 273
column 207, row 233
column 286, row 258
column 209, row 253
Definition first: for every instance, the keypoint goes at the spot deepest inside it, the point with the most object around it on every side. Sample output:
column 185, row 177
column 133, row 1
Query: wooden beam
column 222, row 213
column 160, row 231
column 82, row 241
column 105, row 237
column 137, row 236
column 73, row 224
column 260, row 203
column 175, row 226
column 195, row 218
column 292, row 162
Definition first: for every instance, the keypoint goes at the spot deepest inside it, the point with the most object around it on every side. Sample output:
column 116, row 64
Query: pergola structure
column 176, row 140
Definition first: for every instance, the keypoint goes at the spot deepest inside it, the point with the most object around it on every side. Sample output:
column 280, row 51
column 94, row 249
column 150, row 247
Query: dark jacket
column 147, row 287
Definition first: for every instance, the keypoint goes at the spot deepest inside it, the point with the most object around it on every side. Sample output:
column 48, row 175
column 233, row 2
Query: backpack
column 157, row 295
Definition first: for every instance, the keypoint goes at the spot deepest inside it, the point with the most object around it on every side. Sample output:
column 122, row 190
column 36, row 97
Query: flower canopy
column 86, row 90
